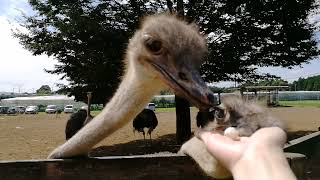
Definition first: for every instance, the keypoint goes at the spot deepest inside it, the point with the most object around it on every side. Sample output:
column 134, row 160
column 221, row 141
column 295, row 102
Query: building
column 59, row 100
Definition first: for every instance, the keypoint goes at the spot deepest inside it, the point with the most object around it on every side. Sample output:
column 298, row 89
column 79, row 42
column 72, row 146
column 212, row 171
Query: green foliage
column 42, row 107
column 44, row 90
column 267, row 82
column 5, row 96
column 221, row 90
column 250, row 33
column 308, row 84
column 166, row 92
column 88, row 37
column 163, row 103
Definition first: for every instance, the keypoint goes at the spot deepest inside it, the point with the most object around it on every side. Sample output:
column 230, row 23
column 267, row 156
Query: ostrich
column 234, row 118
column 79, row 119
column 75, row 123
column 164, row 53
column 58, row 112
column 89, row 117
column 145, row 119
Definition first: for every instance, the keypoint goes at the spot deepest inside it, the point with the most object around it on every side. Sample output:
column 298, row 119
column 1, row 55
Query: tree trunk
column 180, row 8
column 183, row 121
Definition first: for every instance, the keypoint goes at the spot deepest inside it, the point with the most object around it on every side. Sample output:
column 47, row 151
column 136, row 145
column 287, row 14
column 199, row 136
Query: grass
column 306, row 103
column 161, row 110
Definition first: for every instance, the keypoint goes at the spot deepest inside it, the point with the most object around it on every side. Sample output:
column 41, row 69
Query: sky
column 22, row 72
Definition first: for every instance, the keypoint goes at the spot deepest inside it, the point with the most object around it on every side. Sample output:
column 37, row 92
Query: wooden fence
column 155, row 167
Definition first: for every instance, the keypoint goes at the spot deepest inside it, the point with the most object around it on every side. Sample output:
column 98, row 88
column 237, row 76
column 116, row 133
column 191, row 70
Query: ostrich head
column 168, row 52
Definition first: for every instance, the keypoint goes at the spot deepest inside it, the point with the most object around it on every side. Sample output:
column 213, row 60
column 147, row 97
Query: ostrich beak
column 186, row 81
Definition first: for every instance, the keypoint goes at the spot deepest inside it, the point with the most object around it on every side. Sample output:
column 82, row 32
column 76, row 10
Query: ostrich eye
column 153, row 45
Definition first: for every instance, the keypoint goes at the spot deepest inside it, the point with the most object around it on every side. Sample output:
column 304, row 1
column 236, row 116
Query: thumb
column 221, row 147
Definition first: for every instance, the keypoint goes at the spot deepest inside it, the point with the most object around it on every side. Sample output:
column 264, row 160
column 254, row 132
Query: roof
column 45, row 98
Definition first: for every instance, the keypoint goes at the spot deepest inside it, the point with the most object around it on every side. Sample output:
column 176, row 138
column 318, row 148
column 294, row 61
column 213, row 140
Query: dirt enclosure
column 34, row 136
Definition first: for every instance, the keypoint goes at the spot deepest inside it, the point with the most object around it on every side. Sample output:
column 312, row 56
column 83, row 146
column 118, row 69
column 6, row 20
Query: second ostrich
column 164, row 53
column 79, row 119
column 145, row 119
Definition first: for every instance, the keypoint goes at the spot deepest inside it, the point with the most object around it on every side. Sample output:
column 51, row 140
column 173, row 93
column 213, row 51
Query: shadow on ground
column 166, row 143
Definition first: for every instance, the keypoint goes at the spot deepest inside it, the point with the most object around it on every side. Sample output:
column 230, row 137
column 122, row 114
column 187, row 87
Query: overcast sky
column 20, row 71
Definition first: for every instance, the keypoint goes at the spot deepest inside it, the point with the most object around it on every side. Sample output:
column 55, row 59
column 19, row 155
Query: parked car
column 4, row 109
column 51, row 109
column 151, row 106
column 32, row 110
column 20, row 109
column 11, row 111
column 68, row 109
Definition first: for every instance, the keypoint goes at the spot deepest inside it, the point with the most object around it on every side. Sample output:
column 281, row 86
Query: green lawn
column 306, row 103
column 160, row 110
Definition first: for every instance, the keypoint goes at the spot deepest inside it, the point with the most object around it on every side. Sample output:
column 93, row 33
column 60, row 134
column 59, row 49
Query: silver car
column 51, row 109
column 32, row 110
column 68, row 109
column 20, row 109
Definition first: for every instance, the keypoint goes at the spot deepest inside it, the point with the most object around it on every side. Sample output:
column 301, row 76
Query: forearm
column 263, row 164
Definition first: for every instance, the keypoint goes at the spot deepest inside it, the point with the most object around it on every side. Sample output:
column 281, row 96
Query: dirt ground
column 34, row 136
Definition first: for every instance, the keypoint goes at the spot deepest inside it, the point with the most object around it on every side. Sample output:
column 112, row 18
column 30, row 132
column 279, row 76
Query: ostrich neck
column 133, row 94
column 131, row 97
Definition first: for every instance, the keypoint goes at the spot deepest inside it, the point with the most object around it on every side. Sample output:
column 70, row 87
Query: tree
column 306, row 84
column 249, row 33
column 88, row 37
column 43, row 90
column 267, row 82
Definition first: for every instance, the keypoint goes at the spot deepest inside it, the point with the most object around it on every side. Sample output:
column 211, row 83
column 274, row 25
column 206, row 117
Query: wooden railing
column 149, row 167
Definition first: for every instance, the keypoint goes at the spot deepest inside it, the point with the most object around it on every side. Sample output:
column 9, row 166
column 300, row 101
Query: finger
column 271, row 135
column 244, row 139
column 221, row 147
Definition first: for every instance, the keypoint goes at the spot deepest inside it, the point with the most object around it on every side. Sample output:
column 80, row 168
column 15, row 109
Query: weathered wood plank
column 307, row 145
column 297, row 163
column 155, row 167
column 108, row 168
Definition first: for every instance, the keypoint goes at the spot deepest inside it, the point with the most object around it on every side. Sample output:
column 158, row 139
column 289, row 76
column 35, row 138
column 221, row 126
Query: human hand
column 256, row 153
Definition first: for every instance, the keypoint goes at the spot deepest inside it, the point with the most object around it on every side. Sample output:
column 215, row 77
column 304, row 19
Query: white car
column 51, row 109
column 68, row 109
column 32, row 110
column 151, row 106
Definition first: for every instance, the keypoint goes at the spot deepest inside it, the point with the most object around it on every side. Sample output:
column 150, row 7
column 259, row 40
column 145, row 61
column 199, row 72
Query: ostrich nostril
column 212, row 99
column 182, row 76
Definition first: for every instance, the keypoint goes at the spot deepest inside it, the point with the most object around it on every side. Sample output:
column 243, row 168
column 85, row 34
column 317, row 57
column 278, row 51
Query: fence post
column 183, row 120
column 297, row 163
